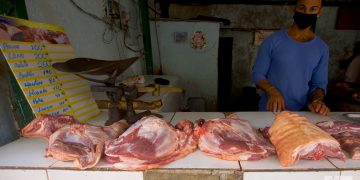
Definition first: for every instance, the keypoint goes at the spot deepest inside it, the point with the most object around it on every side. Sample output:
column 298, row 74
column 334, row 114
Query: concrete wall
column 196, row 68
column 246, row 19
column 90, row 37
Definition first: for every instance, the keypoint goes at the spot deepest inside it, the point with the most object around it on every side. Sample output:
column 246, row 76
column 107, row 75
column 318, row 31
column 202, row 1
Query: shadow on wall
column 247, row 101
column 8, row 130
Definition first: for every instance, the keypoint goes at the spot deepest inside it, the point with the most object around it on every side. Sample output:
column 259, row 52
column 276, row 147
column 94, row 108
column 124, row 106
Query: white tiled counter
column 24, row 159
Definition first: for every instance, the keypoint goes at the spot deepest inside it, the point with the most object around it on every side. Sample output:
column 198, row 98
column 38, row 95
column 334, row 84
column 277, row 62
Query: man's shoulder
column 321, row 43
column 275, row 37
column 277, row 34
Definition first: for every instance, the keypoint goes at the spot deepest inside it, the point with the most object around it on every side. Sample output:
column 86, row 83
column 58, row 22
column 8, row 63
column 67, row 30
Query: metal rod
column 146, row 35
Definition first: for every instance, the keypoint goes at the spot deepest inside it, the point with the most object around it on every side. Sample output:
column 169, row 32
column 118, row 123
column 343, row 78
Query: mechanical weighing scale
column 112, row 69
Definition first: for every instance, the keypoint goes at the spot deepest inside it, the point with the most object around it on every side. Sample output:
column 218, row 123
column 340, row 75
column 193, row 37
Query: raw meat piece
column 265, row 132
column 82, row 143
column 336, row 127
column 151, row 142
column 347, row 133
column 294, row 137
column 45, row 125
column 232, row 139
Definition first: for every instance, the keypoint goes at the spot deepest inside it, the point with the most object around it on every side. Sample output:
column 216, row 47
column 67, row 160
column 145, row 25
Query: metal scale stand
column 87, row 66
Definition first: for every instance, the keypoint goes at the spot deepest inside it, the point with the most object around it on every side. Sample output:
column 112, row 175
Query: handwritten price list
column 49, row 91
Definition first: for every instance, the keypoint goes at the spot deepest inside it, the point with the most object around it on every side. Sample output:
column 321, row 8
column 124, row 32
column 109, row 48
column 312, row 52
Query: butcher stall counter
column 24, row 159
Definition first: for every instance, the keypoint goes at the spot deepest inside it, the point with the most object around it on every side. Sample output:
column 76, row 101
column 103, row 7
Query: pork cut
column 347, row 133
column 82, row 143
column 151, row 142
column 294, row 137
column 44, row 125
column 231, row 139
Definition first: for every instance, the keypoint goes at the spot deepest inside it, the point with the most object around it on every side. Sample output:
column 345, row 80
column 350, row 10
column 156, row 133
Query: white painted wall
column 86, row 33
column 197, row 69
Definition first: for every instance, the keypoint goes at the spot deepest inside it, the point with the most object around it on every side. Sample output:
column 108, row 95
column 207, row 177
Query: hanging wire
column 110, row 27
column 111, row 31
column 90, row 14
column 128, row 47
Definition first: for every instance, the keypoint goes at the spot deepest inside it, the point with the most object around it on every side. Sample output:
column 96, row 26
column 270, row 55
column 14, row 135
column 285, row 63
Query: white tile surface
column 102, row 165
column 94, row 175
column 350, row 175
column 198, row 160
column 348, row 164
column 311, row 175
column 25, row 152
column 21, row 174
column 193, row 116
column 339, row 116
column 167, row 115
column 314, row 117
column 257, row 119
column 272, row 163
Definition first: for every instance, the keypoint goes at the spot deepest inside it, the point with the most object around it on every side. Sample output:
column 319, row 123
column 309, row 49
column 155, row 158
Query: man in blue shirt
column 292, row 65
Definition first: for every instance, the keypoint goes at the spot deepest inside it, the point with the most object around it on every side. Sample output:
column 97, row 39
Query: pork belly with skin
column 294, row 137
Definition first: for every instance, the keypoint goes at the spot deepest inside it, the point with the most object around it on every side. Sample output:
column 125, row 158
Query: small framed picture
column 181, row 37
column 198, row 40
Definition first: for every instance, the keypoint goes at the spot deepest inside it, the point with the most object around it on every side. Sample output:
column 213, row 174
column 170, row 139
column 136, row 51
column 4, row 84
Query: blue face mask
column 303, row 21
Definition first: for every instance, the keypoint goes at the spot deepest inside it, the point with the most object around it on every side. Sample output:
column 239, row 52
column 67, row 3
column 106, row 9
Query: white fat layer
column 303, row 150
column 327, row 124
column 129, row 163
column 244, row 157
column 209, row 143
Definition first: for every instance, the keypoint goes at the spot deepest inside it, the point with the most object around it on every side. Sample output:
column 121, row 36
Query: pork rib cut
column 82, row 143
column 151, row 142
column 347, row 133
column 294, row 137
column 232, row 139
column 45, row 125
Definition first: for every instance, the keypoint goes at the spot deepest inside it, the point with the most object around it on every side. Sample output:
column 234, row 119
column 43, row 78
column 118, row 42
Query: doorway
column 224, row 73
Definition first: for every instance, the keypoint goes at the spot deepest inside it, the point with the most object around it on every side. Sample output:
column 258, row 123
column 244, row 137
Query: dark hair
column 322, row 2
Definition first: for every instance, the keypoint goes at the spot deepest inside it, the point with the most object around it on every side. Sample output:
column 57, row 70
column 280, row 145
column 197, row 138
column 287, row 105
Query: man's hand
column 318, row 107
column 275, row 101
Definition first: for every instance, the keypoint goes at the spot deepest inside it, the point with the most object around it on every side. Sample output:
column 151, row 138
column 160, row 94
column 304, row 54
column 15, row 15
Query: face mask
column 304, row 20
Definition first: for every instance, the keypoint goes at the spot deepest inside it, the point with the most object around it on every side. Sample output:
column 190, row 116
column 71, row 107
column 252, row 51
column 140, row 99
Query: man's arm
column 317, row 104
column 275, row 101
column 318, row 85
column 260, row 69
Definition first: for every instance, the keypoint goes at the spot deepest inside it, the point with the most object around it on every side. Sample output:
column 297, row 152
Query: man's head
column 309, row 6
column 306, row 13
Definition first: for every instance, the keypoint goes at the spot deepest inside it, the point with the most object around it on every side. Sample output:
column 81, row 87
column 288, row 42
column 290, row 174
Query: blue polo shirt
column 294, row 68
